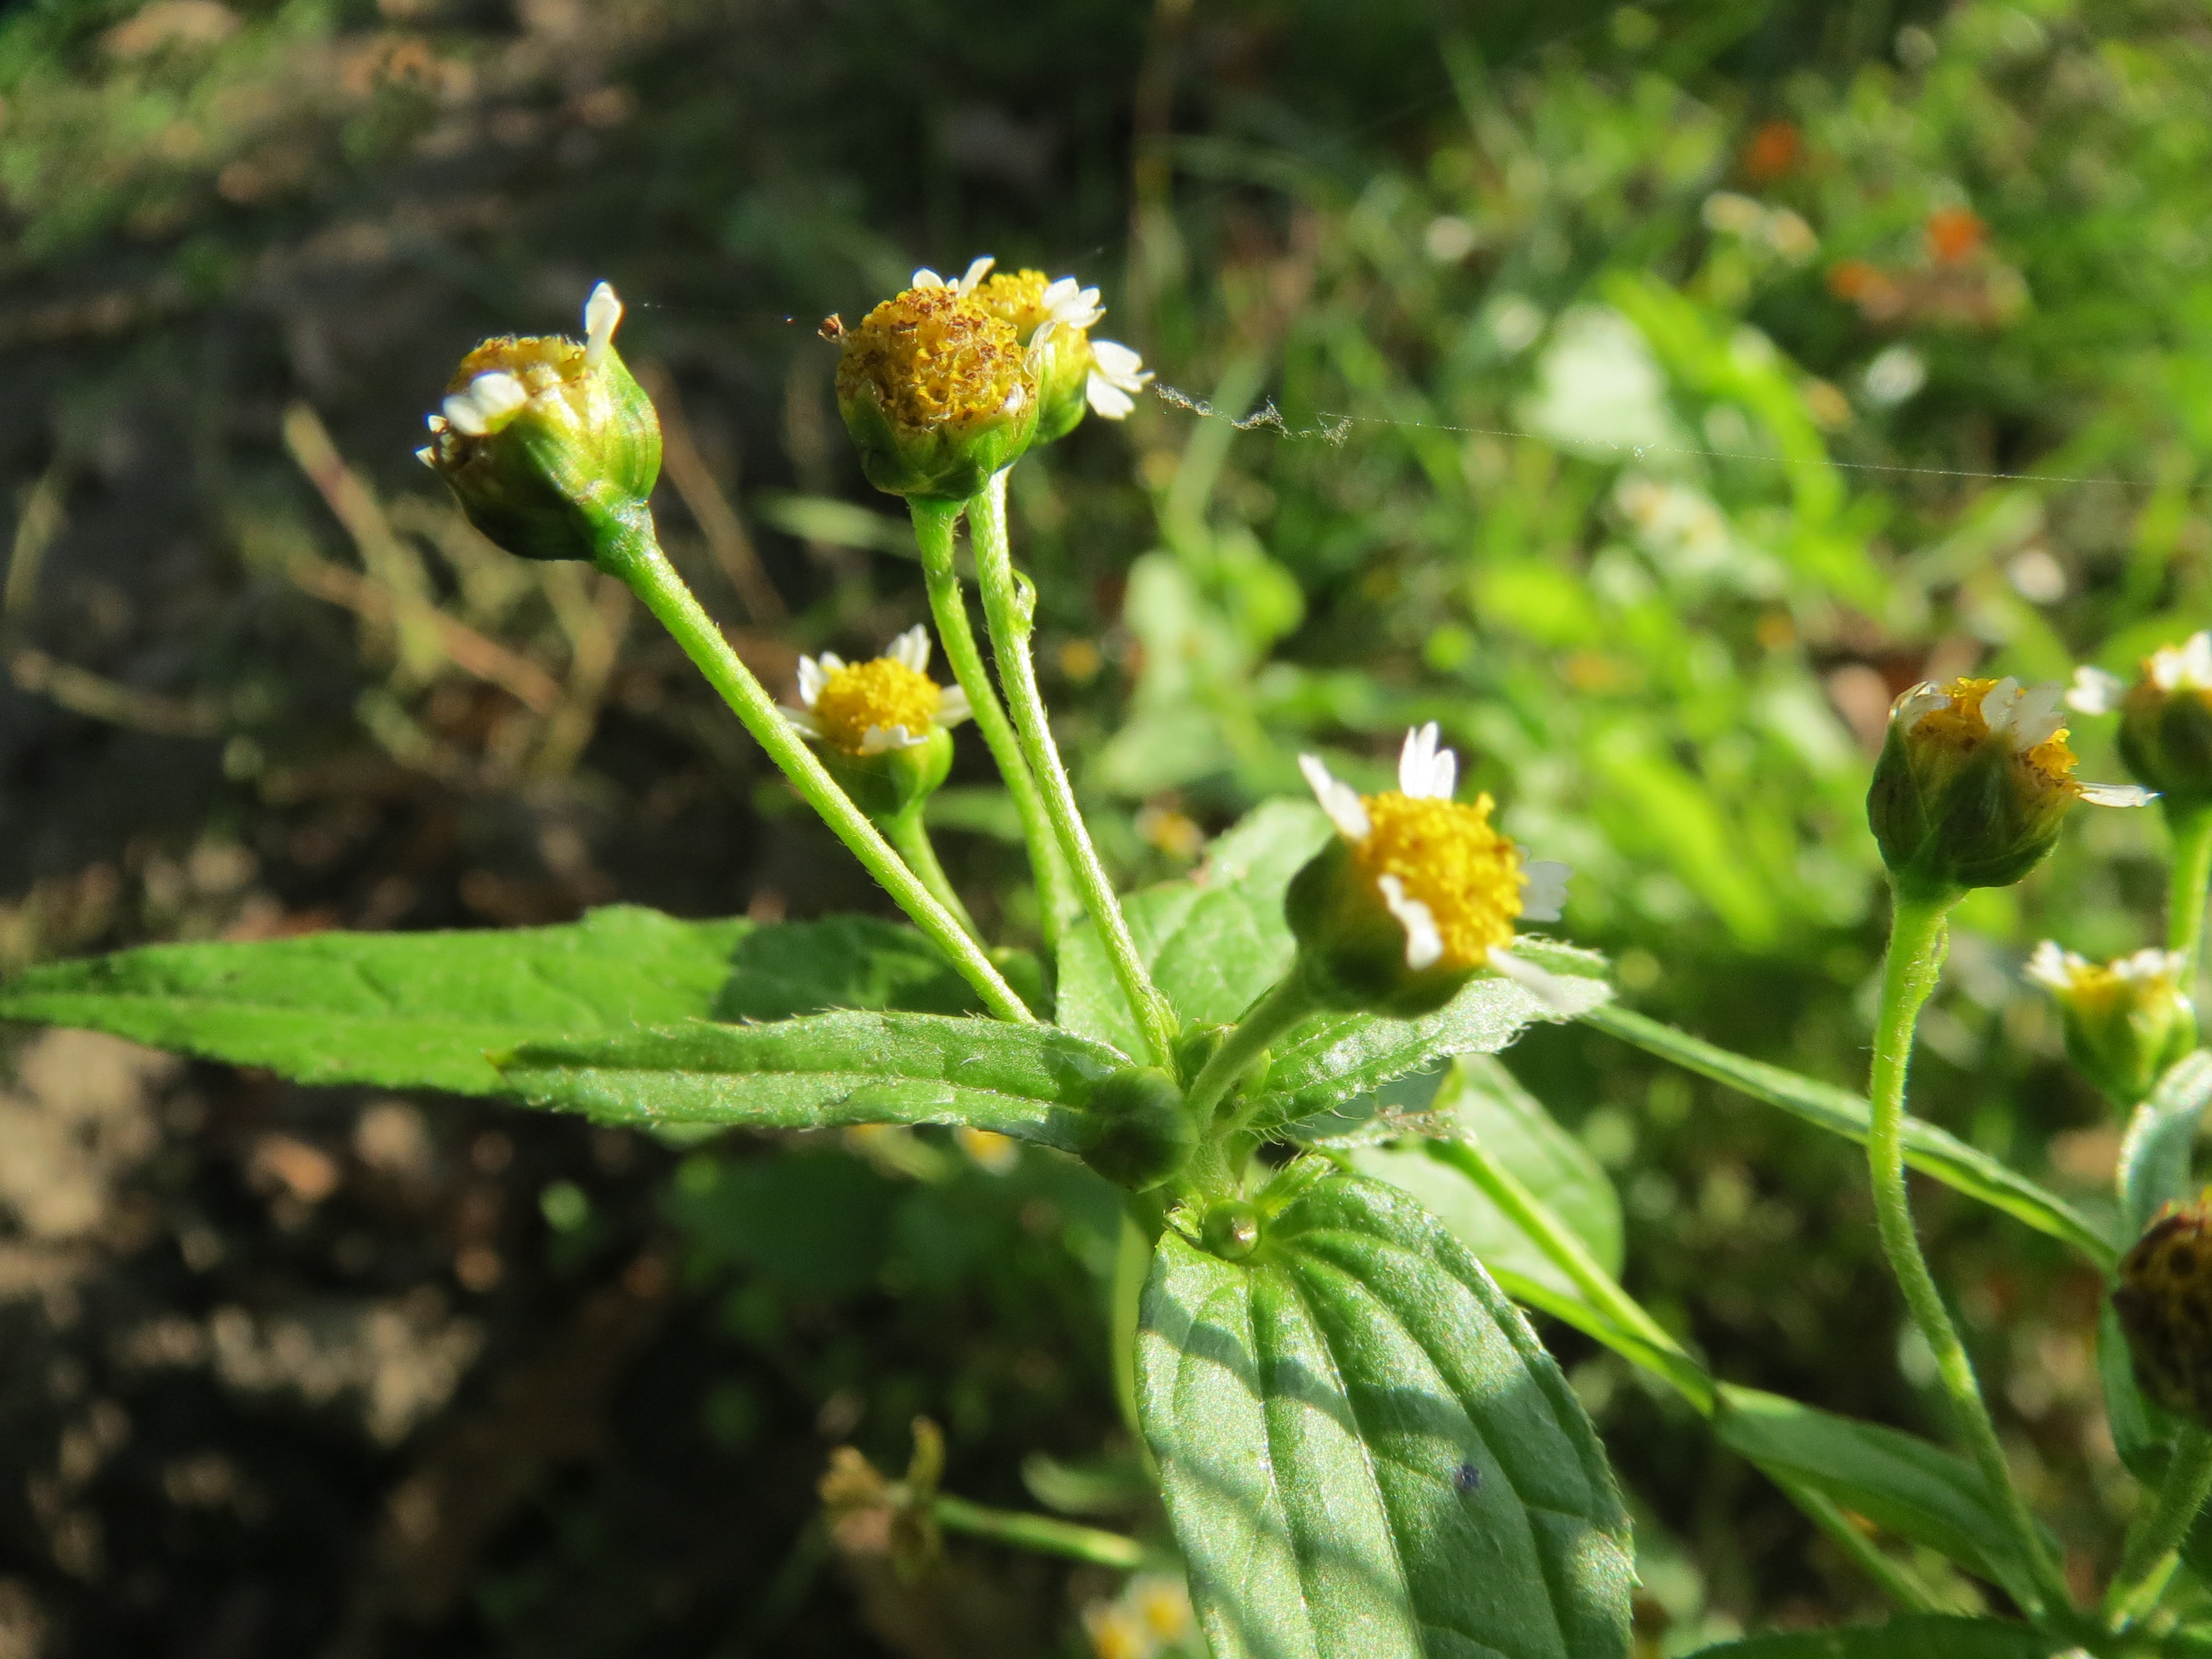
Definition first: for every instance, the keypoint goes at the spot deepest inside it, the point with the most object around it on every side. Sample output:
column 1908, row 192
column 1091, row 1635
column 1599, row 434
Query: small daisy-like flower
column 1447, row 886
column 2126, row 1020
column 1052, row 319
column 1161, row 1602
column 874, row 707
column 2165, row 719
column 989, row 1150
column 1117, row 1632
column 1973, row 782
column 543, row 440
column 937, row 390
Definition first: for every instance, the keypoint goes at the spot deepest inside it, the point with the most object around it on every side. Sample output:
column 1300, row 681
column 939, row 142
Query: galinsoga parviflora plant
column 1362, row 1451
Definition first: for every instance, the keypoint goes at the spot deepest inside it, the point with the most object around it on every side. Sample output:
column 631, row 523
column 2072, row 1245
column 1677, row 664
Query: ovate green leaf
column 824, row 1072
column 1364, row 1451
column 422, row 1009
column 1895, row 1479
column 2154, row 1158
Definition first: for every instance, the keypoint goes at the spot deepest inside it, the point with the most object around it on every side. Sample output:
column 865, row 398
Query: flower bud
column 2164, row 1300
column 1973, row 782
column 1230, row 1229
column 1417, row 893
column 883, row 724
column 547, row 443
column 1136, row 1131
column 2166, row 719
column 936, row 392
column 2126, row 1021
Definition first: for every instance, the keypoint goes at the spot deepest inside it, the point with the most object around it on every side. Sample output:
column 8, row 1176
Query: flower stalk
column 627, row 549
column 933, row 523
column 1009, row 625
column 2154, row 1541
column 2191, row 890
column 1918, row 939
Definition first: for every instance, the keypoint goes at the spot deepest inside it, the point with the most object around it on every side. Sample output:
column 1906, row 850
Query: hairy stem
column 2154, row 1541
column 1916, row 943
column 2185, row 897
column 630, row 550
column 907, row 832
column 1010, row 639
column 1041, row 1533
column 1290, row 1001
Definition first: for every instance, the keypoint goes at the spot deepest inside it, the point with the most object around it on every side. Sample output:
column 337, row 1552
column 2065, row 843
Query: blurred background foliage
column 1656, row 392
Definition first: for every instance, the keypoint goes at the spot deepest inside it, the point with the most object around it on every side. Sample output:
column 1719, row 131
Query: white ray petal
column 1120, row 365
column 2117, row 794
column 427, row 456
column 1547, row 987
column 953, row 707
column 1425, row 945
column 603, row 314
column 1425, row 771
column 1108, row 401
column 1338, row 798
column 881, row 740
column 487, row 401
column 2038, row 715
column 1924, row 698
column 926, row 277
column 978, row 268
column 2094, row 691
column 801, row 720
column 1998, row 704
column 813, row 677
column 2052, row 968
column 911, row 649
column 2150, row 963
column 1544, row 898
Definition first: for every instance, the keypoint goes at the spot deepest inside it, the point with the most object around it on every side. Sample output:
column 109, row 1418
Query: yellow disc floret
column 542, row 362
column 1448, row 857
column 1961, row 727
column 1017, row 299
column 933, row 357
column 880, row 694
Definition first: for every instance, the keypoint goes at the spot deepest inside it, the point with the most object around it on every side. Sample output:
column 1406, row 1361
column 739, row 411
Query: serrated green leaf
column 403, row 1009
column 1895, row 1479
column 1324, row 1063
column 826, row 1071
column 1212, row 943
column 1930, row 1637
column 2154, row 1157
column 1927, row 1148
column 1366, row 1454
column 1478, row 1099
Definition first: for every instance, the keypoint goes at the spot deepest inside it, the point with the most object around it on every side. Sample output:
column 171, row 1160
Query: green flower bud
column 1973, row 782
column 2164, row 1300
column 1417, row 893
column 883, row 724
column 1136, row 1131
column 2166, row 719
column 2126, row 1021
column 936, row 392
column 1230, row 1229
column 546, row 442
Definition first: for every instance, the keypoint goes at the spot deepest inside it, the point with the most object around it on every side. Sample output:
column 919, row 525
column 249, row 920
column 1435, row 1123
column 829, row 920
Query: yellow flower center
column 931, row 357
column 882, row 693
column 1017, row 299
column 540, row 363
column 1962, row 727
column 1448, row 857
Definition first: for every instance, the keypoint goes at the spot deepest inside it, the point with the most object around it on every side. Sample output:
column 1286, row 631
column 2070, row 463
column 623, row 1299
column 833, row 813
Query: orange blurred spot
column 1871, row 289
column 1955, row 234
column 1774, row 151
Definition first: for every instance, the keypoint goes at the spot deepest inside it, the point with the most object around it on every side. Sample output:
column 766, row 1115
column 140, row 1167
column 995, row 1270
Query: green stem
column 2154, row 1543
column 906, row 831
column 1290, row 1001
column 2185, row 899
column 1040, row 1533
column 1132, row 1266
column 630, row 550
column 1895, row 1580
column 1572, row 1256
column 1917, row 943
column 1010, row 628
column 933, row 523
